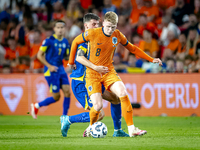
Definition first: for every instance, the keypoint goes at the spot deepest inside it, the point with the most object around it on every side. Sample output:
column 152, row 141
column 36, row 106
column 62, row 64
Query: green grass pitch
column 25, row 133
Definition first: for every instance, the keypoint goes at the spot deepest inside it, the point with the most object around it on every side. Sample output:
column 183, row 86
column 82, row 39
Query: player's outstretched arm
column 41, row 57
column 84, row 61
column 78, row 40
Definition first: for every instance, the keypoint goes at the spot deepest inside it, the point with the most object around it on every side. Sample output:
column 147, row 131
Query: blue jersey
column 55, row 51
column 78, row 73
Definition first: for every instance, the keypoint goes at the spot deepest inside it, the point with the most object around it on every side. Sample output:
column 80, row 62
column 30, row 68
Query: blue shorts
column 80, row 92
column 55, row 81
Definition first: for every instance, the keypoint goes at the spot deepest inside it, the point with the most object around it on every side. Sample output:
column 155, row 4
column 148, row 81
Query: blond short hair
column 111, row 17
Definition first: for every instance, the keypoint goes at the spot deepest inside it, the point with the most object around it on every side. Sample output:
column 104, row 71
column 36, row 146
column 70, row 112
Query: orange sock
column 127, row 110
column 94, row 115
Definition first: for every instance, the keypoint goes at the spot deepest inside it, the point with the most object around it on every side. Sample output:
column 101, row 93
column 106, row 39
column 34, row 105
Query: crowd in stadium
column 168, row 29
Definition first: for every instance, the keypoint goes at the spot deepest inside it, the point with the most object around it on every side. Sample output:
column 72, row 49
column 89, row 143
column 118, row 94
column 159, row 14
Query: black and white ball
column 98, row 130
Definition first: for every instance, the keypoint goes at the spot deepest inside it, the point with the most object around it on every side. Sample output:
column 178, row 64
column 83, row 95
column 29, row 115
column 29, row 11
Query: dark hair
column 89, row 16
column 38, row 31
column 58, row 21
column 142, row 15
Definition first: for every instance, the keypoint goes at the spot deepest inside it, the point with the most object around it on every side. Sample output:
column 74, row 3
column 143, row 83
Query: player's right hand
column 72, row 66
column 53, row 69
column 101, row 69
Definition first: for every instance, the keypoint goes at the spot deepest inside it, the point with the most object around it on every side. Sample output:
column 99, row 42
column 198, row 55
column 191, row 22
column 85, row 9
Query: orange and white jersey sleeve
column 134, row 49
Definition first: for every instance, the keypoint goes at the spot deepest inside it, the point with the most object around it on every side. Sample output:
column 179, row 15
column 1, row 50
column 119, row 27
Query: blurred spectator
column 164, row 4
column 108, row 6
column 58, row 11
column 22, row 49
column 132, row 60
column 136, row 39
column 73, row 10
column 144, row 24
column 192, row 24
column 36, row 65
column 136, row 11
column 179, row 66
column 2, row 53
column 6, row 69
column 72, row 30
column 126, row 30
column 189, row 65
column 3, row 28
column 181, row 13
column 149, row 44
column 11, row 49
column 192, row 41
column 125, row 8
column 5, row 15
column 197, row 7
column 24, row 64
column 182, row 47
column 119, row 66
column 167, row 26
column 152, row 11
column 86, row 3
column 117, row 3
column 170, row 65
column 173, row 43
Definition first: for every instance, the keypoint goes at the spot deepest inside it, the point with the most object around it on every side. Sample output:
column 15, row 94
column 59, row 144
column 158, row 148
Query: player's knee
column 122, row 93
column 67, row 93
column 98, row 106
column 56, row 97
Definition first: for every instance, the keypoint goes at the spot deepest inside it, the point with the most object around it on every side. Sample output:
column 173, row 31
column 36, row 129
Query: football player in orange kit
column 103, row 42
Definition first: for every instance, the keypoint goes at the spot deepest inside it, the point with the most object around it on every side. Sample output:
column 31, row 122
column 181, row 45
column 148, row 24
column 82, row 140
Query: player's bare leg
column 86, row 133
column 115, row 113
column 35, row 107
column 119, row 89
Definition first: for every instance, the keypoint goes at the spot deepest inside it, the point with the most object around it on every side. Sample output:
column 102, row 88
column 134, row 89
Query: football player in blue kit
column 53, row 50
column 80, row 92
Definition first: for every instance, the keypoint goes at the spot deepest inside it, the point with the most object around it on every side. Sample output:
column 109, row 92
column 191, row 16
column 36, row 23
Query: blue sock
column 83, row 117
column 116, row 115
column 46, row 102
column 66, row 104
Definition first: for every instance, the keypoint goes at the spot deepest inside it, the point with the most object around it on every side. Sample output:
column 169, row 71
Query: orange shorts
column 94, row 81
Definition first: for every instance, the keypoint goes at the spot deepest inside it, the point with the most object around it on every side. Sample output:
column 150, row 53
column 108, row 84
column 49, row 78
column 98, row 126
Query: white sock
column 37, row 105
column 130, row 128
column 117, row 129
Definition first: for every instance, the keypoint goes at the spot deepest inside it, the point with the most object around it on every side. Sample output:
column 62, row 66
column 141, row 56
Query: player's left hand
column 157, row 60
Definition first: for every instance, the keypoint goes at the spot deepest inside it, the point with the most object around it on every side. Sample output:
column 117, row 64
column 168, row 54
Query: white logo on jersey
column 90, row 88
column 55, row 44
column 64, row 45
column 54, row 87
column 114, row 40
column 12, row 96
column 60, row 45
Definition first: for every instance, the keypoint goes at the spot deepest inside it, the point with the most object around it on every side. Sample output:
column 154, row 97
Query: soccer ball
column 98, row 130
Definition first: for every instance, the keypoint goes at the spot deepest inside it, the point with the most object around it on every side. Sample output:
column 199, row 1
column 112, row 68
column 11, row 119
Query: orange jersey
column 34, row 50
column 10, row 54
column 102, row 47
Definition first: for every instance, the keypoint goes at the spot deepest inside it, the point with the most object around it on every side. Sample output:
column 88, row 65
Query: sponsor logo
column 12, row 95
column 64, row 45
column 54, row 87
column 114, row 40
column 90, row 88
